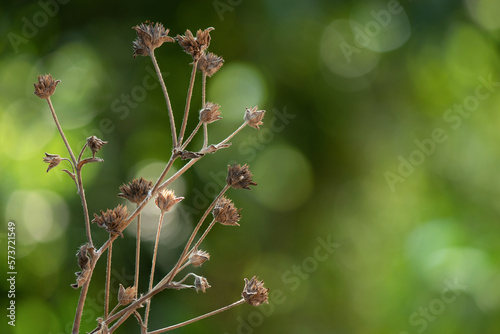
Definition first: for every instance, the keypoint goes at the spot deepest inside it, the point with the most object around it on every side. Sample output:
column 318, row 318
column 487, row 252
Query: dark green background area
column 377, row 203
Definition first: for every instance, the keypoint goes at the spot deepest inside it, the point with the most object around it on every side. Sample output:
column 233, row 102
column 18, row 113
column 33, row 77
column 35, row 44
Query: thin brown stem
column 206, row 315
column 137, row 254
column 167, row 99
column 81, row 192
column 61, row 132
column 191, row 136
column 188, row 102
column 178, row 174
column 108, row 281
column 233, row 134
column 114, row 309
column 205, row 135
column 81, row 152
column 153, row 266
column 203, row 89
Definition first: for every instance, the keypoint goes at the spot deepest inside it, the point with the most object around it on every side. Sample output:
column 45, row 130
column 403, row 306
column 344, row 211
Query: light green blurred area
column 377, row 204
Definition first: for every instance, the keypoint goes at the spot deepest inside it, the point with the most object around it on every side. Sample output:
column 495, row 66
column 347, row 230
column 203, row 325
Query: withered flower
column 239, row 177
column 210, row 63
column 95, row 144
column 166, row 199
column 149, row 37
column 210, row 113
column 84, row 255
column 254, row 117
column 197, row 258
column 46, row 86
column 112, row 220
column 52, row 159
column 201, row 283
column 126, row 296
column 255, row 293
column 226, row 213
column 136, row 191
column 195, row 46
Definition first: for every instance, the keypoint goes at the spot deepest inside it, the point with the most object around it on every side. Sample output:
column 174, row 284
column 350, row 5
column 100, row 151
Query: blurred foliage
column 380, row 142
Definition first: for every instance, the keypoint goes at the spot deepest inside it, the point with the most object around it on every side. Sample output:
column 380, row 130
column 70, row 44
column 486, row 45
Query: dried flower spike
column 166, row 200
column 198, row 258
column 239, row 177
column 195, row 46
column 255, row 293
column 112, row 220
column 95, row 144
column 201, row 283
column 46, row 86
column 52, row 159
column 254, row 117
column 226, row 213
column 136, row 191
column 126, row 296
column 149, row 37
column 210, row 113
column 209, row 64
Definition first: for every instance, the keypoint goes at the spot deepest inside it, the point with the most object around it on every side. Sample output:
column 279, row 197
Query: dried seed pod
column 112, row 220
column 149, row 37
column 126, row 296
column 210, row 113
column 255, row 293
column 46, row 86
column 254, row 117
column 166, row 199
column 226, row 213
column 136, row 191
column 52, row 159
column 198, row 257
column 195, row 46
column 95, row 144
column 209, row 64
column 201, row 283
column 239, row 177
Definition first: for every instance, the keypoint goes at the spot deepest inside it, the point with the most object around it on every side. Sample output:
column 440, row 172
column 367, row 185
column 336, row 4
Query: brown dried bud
column 195, row 46
column 210, row 113
column 166, row 199
column 85, row 255
column 95, row 144
column 209, row 64
column 226, row 213
column 46, row 86
column 254, row 117
column 126, row 296
column 255, row 293
column 112, row 220
column 197, row 258
column 239, row 177
column 52, row 159
column 136, row 191
column 149, row 37
column 201, row 283
column 81, row 278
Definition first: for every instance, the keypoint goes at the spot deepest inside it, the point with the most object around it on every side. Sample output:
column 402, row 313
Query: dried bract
column 149, row 37
column 52, row 159
column 166, row 200
column 195, row 46
column 46, row 86
column 239, row 177
column 112, row 220
column 255, row 293
column 226, row 213
column 201, row 283
column 198, row 258
column 126, row 296
column 254, row 117
column 85, row 255
column 210, row 113
column 136, row 191
column 210, row 63
column 95, row 144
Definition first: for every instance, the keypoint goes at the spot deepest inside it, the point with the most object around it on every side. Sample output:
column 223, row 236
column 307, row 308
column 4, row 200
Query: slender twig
column 114, row 309
column 188, row 102
column 108, row 281
column 81, row 192
column 203, row 89
column 137, row 254
column 81, row 152
column 167, row 99
column 153, row 266
column 205, row 135
column 70, row 151
column 178, row 173
column 222, row 309
column 233, row 134
column 191, row 136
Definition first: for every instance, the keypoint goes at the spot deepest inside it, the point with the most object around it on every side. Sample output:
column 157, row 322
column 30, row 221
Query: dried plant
column 140, row 191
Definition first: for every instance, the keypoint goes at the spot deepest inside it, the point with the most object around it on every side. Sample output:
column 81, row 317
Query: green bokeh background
column 380, row 139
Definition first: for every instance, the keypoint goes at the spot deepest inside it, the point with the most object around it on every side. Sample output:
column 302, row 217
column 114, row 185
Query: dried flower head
column 195, row 46
column 255, row 293
column 254, row 117
column 95, row 144
column 210, row 63
column 239, row 177
column 46, row 86
column 166, row 199
column 136, row 191
column 149, row 37
column 85, row 255
column 201, row 283
column 112, row 220
column 210, row 113
column 126, row 296
column 198, row 257
column 52, row 159
column 226, row 213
